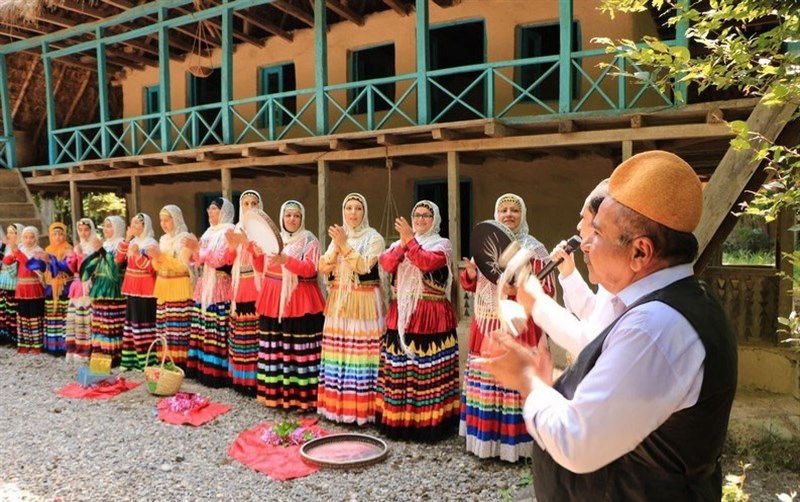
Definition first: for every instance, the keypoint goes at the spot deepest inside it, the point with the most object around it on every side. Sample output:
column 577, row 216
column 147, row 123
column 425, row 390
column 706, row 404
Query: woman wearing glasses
column 418, row 394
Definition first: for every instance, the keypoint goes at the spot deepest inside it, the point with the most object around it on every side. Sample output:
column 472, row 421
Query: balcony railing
column 482, row 91
column 6, row 152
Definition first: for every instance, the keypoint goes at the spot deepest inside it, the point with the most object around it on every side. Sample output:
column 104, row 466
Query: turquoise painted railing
column 6, row 152
column 513, row 90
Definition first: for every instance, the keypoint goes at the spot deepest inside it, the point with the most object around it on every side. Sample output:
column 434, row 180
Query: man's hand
column 530, row 291
column 519, row 368
column 567, row 266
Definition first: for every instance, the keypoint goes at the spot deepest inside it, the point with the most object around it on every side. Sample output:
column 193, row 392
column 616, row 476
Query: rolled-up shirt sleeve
column 651, row 366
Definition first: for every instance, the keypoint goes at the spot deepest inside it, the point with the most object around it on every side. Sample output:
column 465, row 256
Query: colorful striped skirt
column 139, row 332
column 288, row 361
column 419, row 398
column 208, row 345
column 491, row 417
column 174, row 322
column 243, row 348
column 108, row 322
column 30, row 326
column 55, row 326
column 8, row 317
column 79, row 328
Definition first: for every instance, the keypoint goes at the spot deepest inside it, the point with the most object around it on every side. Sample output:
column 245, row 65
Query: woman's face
column 58, row 237
column 137, row 225
column 167, row 225
column 291, row 220
column 108, row 229
column 11, row 231
column 421, row 220
column 28, row 239
column 213, row 214
column 249, row 202
column 353, row 213
column 84, row 232
column 510, row 215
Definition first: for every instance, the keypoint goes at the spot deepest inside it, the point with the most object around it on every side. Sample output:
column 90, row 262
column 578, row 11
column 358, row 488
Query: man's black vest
column 679, row 461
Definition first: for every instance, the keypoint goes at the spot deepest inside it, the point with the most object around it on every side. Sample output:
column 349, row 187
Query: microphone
column 572, row 245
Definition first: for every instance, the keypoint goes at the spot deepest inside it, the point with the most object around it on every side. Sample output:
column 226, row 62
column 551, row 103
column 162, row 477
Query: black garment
column 679, row 461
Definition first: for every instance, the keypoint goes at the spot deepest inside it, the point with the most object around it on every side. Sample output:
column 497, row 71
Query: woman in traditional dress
column 290, row 309
column 137, row 287
column 175, row 278
column 243, row 339
column 418, row 381
column 491, row 416
column 30, row 289
column 79, row 311
column 208, row 345
column 8, row 284
column 57, row 280
column 354, row 317
column 108, row 304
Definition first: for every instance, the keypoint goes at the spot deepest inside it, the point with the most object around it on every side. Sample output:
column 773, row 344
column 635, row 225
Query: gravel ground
column 59, row 449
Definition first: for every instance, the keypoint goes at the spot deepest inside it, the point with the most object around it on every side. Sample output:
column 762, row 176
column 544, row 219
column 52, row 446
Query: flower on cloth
column 185, row 402
column 289, row 433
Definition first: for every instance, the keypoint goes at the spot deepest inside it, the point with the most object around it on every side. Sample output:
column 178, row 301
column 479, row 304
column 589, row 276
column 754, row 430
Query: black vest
column 679, row 461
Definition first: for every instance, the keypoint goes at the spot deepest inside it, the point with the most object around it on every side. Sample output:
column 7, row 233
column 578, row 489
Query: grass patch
column 770, row 452
column 746, row 257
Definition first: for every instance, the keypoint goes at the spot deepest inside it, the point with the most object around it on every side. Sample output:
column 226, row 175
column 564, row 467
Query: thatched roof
column 23, row 11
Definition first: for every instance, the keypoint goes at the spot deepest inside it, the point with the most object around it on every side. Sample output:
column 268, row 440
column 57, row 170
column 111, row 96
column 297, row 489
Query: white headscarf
column 213, row 238
column 172, row 243
column 26, row 250
column 409, row 278
column 244, row 260
column 298, row 245
column 362, row 239
column 18, row 227
column 110, row 245
column 147, row 237
column 85, row 246
column 521, row 232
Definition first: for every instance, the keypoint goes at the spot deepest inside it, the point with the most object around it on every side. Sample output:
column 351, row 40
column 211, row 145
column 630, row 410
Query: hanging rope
column 201, row 47
column 390, row 212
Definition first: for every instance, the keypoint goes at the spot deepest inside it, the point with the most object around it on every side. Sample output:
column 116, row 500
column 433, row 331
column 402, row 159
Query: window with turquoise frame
column 151, row 105
column 544, row 40
column 367, row 64
column 277, row 79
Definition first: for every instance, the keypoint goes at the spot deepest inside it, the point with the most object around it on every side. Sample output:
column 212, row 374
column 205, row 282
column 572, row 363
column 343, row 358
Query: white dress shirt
column 651, row 366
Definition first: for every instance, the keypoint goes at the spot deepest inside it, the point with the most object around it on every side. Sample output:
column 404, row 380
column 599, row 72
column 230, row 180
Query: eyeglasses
column 421, row 216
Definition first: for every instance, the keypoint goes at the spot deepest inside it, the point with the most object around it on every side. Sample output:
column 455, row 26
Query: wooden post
column 226, row 95
column 681, row 41
column 102, row 87
column 225, row 173
column 164, row 96
column 785, row 244
column 423, row 35
column 565, row 56
column 76, row 207
column 5, row 104
column 321, row 66
column 627, row 149
column 50, row 103
column 323, row 174
column 454, row 222
column 136, row 196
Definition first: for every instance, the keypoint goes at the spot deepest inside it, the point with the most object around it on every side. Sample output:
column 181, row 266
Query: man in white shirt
column 642, row 413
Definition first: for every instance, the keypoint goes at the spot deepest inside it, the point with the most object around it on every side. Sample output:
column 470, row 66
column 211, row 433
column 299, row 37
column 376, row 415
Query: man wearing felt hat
column 642, row 413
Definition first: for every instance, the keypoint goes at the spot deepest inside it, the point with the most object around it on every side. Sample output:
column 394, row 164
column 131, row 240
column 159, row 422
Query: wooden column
column 50, row 102
column 454, row 223
column 225, row 174
column 681, row 88
column 784, row 243
column 226, row 95
column 565, row 56
column 321, row 66
column 323, row 175
column 5, row 104
column 423, row 41
column 76, row 207
column 102, row 87
column 164, row 95
column 627, row 149
column 136, row 196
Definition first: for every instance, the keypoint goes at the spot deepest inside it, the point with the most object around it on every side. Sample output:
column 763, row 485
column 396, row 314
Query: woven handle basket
column 160, row 380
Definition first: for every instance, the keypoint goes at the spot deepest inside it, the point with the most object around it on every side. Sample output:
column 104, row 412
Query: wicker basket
column 160, row 380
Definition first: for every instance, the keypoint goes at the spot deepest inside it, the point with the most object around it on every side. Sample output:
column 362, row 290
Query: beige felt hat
column 661, row 186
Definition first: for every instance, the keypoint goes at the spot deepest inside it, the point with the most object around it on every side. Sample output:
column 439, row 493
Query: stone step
column 12, row 194
column 17, row 210
column 9, row 178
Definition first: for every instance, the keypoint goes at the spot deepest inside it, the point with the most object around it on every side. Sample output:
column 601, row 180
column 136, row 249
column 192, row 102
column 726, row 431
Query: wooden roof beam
column 86, row 9
column 400, row 8
column 346, row 12
column 297, row 12
column 266, row 26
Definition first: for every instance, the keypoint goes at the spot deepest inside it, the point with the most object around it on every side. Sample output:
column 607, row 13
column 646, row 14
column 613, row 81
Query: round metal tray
column 344, row 451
